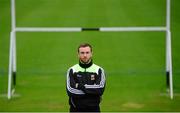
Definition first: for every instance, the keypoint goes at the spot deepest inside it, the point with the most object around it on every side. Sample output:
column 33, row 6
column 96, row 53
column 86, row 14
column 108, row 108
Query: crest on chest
column 92, row 77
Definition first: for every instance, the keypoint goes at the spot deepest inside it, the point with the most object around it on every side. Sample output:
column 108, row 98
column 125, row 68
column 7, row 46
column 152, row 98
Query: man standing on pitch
column 85, row 82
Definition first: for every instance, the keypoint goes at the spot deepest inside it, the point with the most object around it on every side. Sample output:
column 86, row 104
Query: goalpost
column 14, row 29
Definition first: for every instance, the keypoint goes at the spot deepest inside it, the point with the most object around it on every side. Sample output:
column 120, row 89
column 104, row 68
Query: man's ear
column 91, row 53
column 78, row 54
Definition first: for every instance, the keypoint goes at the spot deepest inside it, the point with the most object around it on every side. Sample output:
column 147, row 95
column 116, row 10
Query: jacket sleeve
column 71, row 85
column 99, row 86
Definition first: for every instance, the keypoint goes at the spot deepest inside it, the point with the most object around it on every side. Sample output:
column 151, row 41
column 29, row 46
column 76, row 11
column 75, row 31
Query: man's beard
column 86, row 62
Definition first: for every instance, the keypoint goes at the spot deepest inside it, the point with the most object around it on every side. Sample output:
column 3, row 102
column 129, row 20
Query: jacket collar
column 83, row 65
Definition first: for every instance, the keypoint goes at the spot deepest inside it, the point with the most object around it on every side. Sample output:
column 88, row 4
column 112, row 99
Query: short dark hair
column 85, row 45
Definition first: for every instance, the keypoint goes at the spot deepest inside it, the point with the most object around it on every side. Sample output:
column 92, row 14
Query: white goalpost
column 14, row 29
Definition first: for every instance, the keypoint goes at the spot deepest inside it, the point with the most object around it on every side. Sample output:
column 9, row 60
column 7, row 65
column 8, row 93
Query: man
column 85, row 82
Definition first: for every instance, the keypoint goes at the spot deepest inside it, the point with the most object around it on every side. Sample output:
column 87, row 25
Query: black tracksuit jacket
column 85, row 85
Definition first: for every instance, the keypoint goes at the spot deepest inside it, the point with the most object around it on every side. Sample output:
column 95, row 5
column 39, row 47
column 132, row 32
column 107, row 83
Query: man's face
column 85, row 54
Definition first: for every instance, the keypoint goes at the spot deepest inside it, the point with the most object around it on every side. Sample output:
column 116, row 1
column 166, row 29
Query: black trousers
column 86, row 109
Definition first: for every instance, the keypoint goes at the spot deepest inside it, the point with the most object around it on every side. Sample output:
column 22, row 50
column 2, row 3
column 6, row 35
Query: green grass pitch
column 134, row 62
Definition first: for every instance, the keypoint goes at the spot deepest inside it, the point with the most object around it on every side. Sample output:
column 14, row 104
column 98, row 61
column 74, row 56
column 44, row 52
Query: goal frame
column 12, row 47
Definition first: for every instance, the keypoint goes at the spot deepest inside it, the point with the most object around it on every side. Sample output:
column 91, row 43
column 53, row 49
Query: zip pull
column 85, row 70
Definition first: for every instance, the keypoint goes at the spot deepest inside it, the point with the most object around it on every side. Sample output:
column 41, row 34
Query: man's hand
column 80, row 86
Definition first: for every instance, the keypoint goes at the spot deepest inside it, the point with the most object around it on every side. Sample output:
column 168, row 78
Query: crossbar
column 79, row 29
